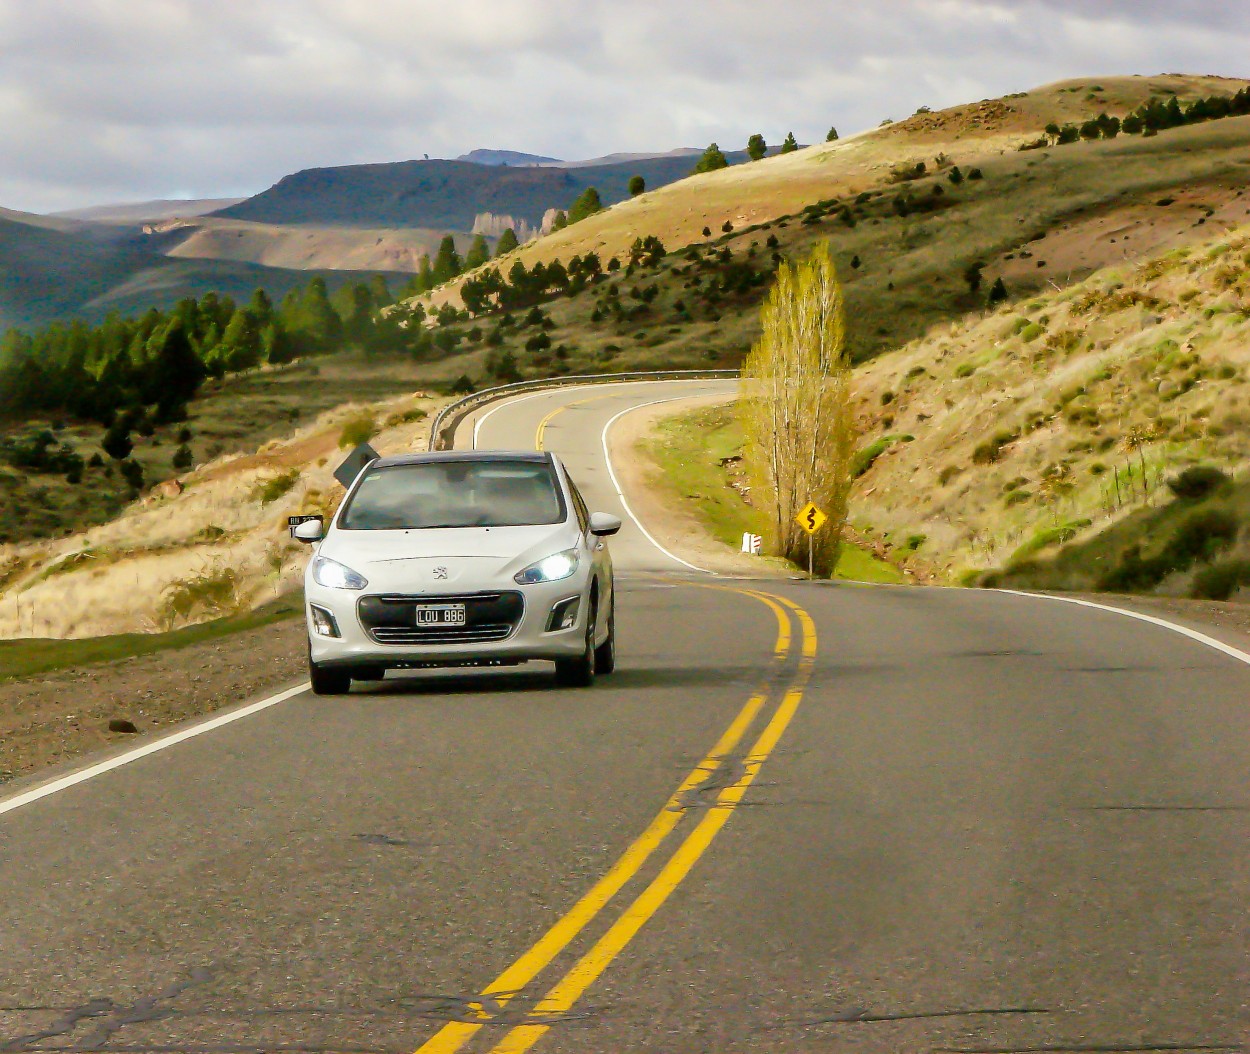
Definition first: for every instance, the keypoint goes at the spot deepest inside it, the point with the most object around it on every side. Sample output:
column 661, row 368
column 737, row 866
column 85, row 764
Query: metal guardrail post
column 443, row 428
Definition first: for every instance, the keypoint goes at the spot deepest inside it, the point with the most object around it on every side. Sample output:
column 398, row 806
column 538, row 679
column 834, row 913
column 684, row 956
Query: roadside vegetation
column 699, row 457
column 798, row 426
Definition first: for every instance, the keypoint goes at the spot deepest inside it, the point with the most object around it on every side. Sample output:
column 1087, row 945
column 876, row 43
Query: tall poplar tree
column 796, row 408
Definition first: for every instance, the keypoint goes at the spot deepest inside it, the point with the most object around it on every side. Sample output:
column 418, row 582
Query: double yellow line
column 562, row 996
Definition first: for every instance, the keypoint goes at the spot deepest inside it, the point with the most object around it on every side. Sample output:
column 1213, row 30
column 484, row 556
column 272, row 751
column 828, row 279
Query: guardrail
column 443, row 429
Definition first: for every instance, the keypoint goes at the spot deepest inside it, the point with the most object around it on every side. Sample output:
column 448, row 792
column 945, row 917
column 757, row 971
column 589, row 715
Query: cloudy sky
column 123, row 100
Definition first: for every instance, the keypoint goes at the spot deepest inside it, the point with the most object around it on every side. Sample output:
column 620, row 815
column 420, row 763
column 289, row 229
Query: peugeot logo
column 440, row 572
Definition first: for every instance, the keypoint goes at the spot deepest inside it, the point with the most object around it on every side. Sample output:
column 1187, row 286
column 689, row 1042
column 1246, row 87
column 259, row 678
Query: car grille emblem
column 440, row 572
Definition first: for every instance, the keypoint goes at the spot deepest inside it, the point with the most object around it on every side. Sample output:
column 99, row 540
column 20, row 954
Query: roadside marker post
column 811, row 519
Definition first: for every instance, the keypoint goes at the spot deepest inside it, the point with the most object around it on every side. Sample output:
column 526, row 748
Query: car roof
column 531, row 456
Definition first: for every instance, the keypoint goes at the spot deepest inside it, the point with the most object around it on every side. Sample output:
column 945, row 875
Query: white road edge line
column 1184, row 631
column 616, row 483
column 477, row 425
column 513, row 400
column 163, row 743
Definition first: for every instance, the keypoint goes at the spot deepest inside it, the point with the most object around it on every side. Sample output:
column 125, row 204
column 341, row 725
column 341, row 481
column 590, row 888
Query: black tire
column 328, row 681
column 580, row 672
column 605, row 654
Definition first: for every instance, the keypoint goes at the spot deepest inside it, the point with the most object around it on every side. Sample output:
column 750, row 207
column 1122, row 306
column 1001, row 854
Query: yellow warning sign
column 811, row 519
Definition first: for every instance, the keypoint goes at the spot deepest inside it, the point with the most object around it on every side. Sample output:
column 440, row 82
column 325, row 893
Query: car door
column 597, row 548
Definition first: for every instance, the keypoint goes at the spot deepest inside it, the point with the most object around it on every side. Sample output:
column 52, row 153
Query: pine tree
column 832, row 137
column 587, row 204
column 478, row 254
column 998, row 292
column 560, row 220
column 756, row 147
column 117, row 442
column 447, row 264
column 380, row 291
column 711, row 160
column 507, row 242
column 425, row 274
column 790, row 145
column 636, row 186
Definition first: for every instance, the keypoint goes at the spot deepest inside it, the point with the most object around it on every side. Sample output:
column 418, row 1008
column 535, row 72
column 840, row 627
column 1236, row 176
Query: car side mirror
column 602, row 524
column 309, row 531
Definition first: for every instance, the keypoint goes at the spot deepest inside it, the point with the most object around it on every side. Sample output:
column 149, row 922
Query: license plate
column 440, row 615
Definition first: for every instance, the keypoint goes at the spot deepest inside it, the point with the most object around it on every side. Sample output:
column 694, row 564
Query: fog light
column 563, row 615
column 323, row 622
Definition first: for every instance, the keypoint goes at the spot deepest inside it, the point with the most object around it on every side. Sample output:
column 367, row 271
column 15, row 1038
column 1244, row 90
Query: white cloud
column 123, row 99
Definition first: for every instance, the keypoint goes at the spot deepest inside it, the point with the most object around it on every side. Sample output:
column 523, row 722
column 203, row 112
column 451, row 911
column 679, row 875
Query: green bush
column 1201, row 535
column 1048, row 536
column 275, row 487
column 988, row 452
column 863, row 461
column 1198, row 481
column 1221, row 580
column 360, row 429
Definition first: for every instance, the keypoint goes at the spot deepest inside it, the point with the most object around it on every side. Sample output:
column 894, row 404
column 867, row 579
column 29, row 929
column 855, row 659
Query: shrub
column 1064, row 532
column 1221, row 580
column 1198, row 481
column 270, row 490
column 214, row 591
column 357, row 430
column 988, row 452
column 405, row 417
column 1201, row 535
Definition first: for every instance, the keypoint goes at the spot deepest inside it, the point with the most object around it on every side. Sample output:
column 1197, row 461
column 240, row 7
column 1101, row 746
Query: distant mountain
column 506, row 157
column 141, row 211
column 49, row 274
column 445, row 195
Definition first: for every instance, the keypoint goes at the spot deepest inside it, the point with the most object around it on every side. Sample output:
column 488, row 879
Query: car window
column 454, row 494
column 579, row 504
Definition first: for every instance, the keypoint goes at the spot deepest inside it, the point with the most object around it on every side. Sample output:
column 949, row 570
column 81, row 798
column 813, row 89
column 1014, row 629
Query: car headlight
column 549, row 569
column 333, row 575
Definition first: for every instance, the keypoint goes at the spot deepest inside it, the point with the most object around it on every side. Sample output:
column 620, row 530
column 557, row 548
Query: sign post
column 811, row 519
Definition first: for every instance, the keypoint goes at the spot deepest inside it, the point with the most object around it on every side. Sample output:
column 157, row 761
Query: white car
column 459, row 558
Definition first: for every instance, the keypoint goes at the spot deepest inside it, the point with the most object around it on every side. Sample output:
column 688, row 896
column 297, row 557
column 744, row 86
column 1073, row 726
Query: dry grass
column 1071, row 395
column 217, row 547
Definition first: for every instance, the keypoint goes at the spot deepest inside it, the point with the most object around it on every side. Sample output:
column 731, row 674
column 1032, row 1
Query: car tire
column 580, row 672
column 605, row 654
column 328, row 682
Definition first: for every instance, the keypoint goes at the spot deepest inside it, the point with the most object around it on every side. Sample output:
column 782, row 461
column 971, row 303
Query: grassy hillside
column 1062, row 418
column 986, row 135
column 221, row 545
column 1040, row 219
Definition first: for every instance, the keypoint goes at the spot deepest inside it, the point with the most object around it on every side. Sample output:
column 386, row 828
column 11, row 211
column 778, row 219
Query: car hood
column 435, row 559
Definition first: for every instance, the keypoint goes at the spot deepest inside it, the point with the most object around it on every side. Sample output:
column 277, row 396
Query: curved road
column 799, row 818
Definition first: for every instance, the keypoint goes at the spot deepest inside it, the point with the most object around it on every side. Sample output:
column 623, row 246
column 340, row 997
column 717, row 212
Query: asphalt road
column 799, row 818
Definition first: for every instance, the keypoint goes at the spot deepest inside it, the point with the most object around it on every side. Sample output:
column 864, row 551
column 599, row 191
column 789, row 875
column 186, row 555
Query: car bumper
column 531, row 637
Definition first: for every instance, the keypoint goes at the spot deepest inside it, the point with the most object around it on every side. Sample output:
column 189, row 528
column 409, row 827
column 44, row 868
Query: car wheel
column 580, row 672
column 605, row 654
column 328, row 682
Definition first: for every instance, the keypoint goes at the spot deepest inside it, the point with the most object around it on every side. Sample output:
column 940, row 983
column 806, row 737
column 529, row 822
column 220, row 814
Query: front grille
column 489, row 618
column 442, row 634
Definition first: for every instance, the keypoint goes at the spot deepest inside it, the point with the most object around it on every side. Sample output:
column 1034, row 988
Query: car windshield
column 454, row 494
